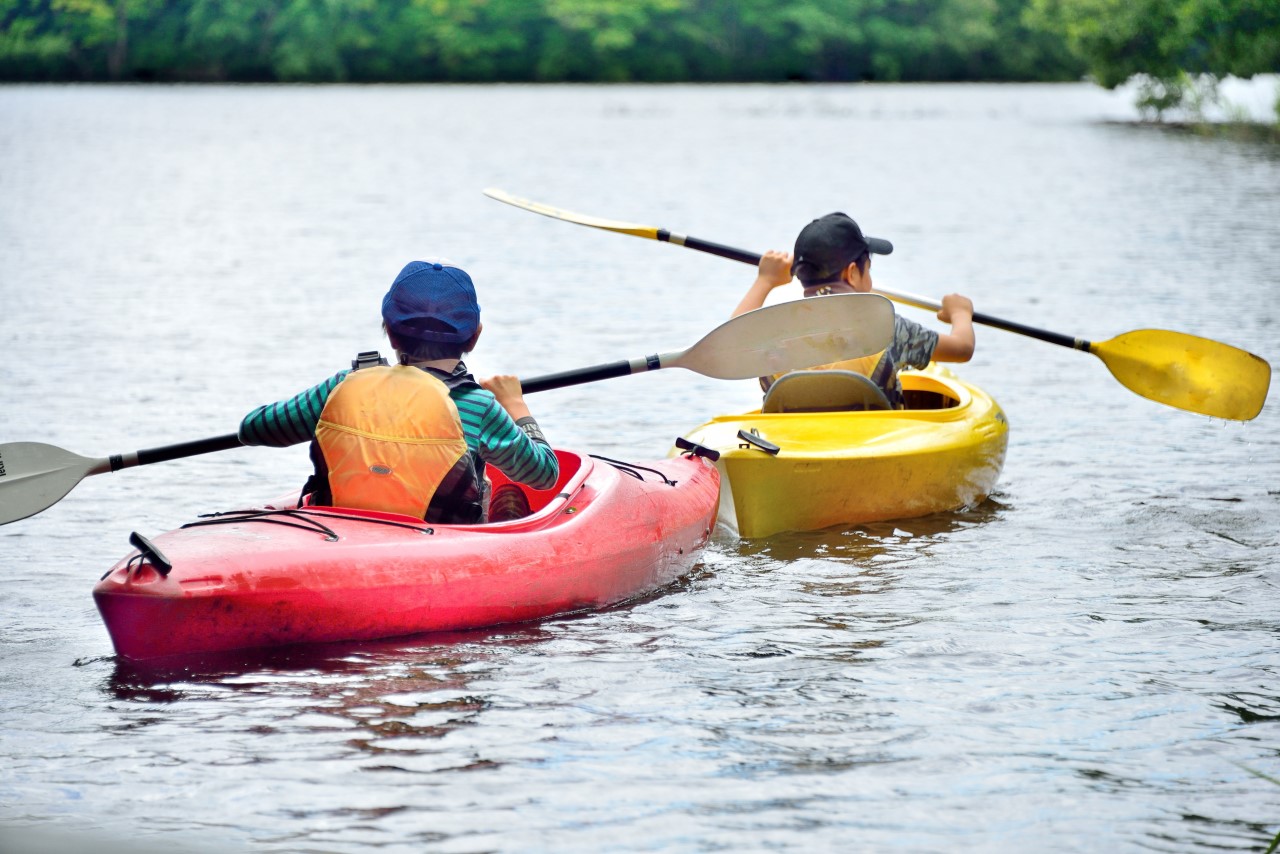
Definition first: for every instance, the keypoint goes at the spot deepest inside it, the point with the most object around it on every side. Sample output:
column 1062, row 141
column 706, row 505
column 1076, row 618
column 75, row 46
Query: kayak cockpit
column 932, row 389
column 510, row 501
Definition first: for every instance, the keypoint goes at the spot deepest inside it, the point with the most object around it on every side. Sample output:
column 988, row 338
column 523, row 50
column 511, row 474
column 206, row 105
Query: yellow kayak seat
column 823, row 391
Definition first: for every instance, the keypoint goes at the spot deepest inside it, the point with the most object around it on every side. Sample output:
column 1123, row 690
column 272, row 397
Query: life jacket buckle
column 368, row 359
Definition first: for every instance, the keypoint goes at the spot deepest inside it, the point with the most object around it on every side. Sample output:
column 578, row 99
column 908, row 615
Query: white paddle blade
column 34, row 476
column 792, row 336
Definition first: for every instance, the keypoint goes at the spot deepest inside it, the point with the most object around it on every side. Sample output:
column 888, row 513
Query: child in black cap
column 832, row 256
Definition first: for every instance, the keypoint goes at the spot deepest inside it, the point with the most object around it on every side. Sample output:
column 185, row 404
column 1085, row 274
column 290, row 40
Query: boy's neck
column 829, row 288
column 445, row 365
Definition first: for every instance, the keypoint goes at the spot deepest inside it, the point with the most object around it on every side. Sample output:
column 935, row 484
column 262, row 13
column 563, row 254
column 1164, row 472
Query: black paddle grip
column 576, row 377
column 1031, row 332
column 723, row 251
column 188, row 449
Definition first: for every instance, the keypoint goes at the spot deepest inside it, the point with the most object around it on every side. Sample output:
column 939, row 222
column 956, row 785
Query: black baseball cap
column 830, row 243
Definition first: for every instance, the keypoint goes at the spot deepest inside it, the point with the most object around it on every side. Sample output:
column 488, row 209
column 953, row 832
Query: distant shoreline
column 1243, row 131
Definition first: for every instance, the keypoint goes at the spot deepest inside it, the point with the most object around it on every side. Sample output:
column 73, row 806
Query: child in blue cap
column 414, row 438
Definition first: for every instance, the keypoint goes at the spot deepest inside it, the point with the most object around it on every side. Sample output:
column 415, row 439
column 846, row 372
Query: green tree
column 528, row 40
column 1180, row 47
column 31, row 48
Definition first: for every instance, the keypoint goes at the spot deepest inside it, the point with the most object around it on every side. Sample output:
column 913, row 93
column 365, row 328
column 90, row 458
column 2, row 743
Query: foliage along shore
column 1180, row 49
column 1241, row 131
column 527, row 41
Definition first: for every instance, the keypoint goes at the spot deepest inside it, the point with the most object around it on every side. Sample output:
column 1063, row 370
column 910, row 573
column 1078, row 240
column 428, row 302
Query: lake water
column 1088, row 661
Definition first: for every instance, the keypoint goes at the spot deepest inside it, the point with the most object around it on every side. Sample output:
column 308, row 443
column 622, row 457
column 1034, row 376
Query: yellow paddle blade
column 1188, row 372
column 569, row 216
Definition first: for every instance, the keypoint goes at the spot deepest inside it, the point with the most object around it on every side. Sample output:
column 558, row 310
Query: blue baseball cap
column 432, row 301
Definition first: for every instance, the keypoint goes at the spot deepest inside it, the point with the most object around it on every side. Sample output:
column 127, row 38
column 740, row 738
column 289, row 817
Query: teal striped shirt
column 490, row 431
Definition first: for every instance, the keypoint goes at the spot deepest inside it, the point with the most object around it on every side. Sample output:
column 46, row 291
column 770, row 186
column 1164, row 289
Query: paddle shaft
column 165, row 453
column 173, row 452
column 760, row 342
column 39, row 476
column 1179, row 370
column 34, row 475
column 577, row 376
column 707, row 246
column 753, row 259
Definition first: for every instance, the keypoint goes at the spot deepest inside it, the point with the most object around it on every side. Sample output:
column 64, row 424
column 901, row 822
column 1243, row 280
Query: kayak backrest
column 823, row 391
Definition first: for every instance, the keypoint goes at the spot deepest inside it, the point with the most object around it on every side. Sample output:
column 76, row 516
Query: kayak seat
column 823, row 391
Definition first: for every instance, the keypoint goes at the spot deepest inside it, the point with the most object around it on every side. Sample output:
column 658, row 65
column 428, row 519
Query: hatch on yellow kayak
column 807, row 470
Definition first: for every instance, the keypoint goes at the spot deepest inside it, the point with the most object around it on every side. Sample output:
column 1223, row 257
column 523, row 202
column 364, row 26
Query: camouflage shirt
column 912, row 347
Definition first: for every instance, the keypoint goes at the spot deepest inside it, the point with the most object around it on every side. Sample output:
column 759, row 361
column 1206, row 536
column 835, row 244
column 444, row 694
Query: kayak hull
column 600, row 537
column 849, row 468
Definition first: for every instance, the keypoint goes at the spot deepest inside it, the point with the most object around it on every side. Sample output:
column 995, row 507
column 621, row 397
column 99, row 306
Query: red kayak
column 606, row 533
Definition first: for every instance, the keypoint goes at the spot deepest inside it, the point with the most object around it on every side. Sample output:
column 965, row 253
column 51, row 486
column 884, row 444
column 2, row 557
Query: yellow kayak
column 820, row 456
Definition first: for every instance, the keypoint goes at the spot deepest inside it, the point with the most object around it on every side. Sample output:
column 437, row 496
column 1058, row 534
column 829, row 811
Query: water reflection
column 386, row 698
column 135, row 680
column 1078, row 662
column 872, row 542
column 1252, row 707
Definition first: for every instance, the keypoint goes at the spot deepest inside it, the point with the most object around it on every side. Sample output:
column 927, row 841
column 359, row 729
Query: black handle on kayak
column 759, row 441
column 697, row 450
column 148, row 549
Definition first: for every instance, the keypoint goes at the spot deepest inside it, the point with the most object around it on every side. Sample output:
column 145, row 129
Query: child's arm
column 958, row 345
column 288, row 422
column 774, row 271
column 511, row 439
column 506, row 389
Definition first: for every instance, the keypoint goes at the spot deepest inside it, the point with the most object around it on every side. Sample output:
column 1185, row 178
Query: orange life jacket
column 386, row 439
column 864, row 365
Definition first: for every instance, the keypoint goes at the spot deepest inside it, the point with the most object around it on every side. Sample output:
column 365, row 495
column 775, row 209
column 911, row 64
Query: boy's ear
column 471, row 345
